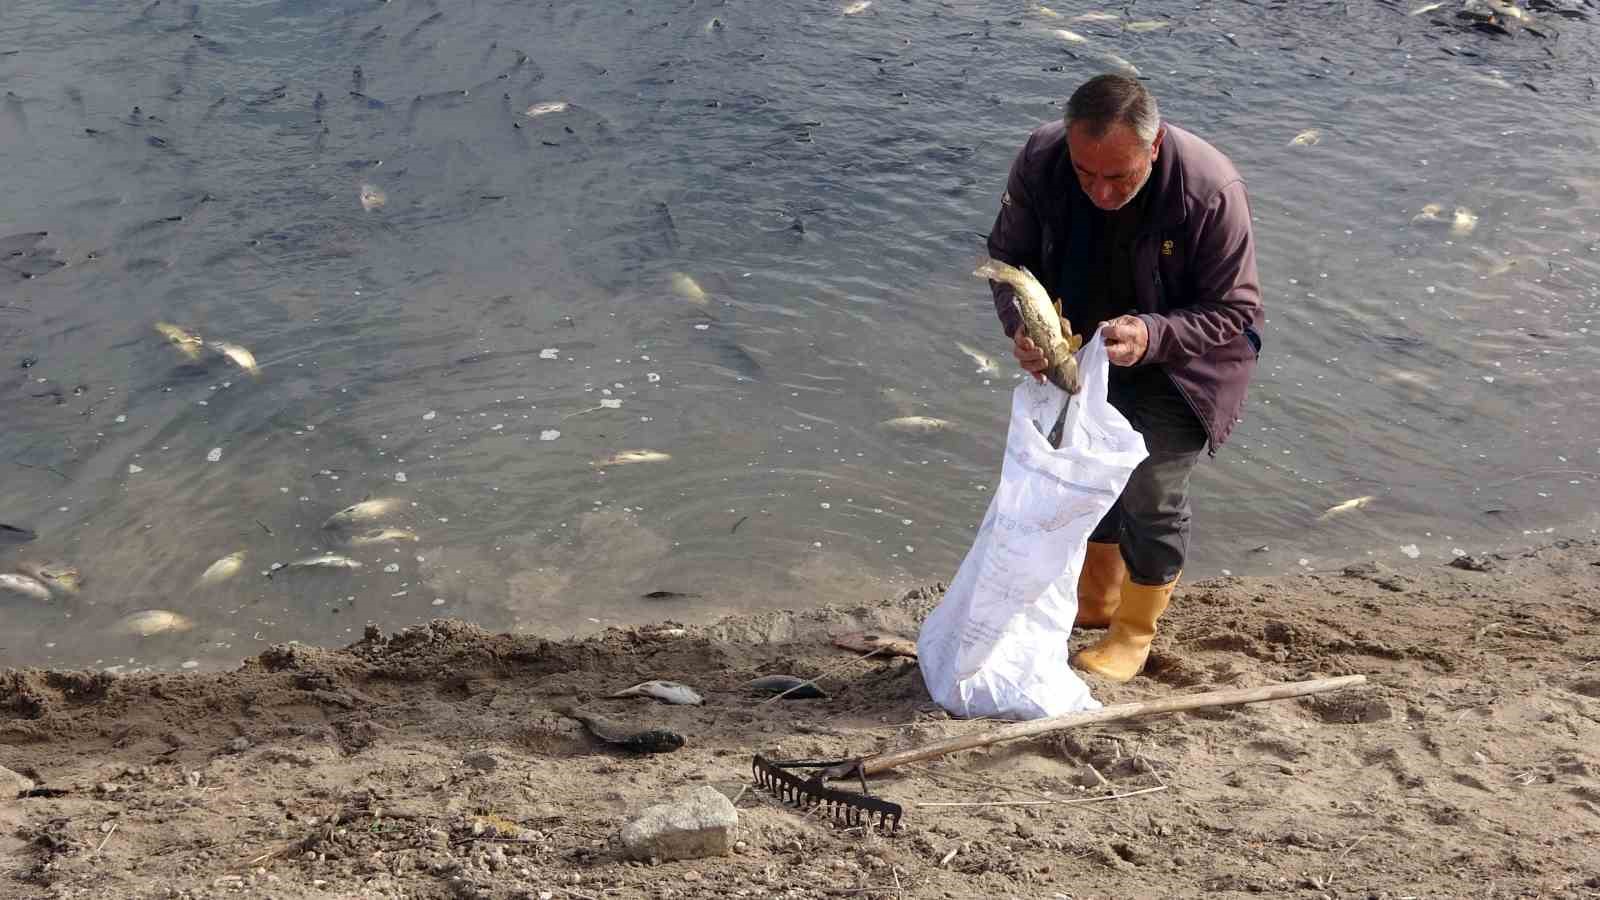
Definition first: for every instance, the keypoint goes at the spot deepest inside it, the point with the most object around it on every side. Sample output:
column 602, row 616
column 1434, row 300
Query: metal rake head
column 806, row 793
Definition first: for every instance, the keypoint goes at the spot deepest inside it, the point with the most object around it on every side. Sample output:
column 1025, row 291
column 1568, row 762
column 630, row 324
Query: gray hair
column 1107, row 100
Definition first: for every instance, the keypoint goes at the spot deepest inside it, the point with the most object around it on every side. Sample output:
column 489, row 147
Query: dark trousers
column 1151, row 518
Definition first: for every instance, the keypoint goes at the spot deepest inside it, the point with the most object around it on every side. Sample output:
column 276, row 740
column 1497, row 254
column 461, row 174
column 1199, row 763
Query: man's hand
column 1029, row 356
column 1127, row 339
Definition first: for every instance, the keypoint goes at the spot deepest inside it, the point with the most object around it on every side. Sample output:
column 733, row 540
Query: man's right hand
column 1030, row 357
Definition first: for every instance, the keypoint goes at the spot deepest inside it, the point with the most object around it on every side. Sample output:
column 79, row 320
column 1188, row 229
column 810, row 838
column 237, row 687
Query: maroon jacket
column 1194, row 262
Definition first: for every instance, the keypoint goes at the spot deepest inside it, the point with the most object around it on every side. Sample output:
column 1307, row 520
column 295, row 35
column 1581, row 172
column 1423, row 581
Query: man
column 1140, row 229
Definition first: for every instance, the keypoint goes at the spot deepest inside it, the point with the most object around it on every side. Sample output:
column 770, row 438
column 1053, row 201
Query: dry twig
column 1049, row 802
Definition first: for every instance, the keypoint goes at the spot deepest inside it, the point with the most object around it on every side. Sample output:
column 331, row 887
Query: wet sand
column 432, row 762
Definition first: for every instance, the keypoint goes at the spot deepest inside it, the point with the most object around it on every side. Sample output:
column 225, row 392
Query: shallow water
column 827, row 180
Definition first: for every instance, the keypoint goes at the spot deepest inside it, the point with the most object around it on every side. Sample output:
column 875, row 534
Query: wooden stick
column 1048, row 802
column 109, row 832
column 1121, row 711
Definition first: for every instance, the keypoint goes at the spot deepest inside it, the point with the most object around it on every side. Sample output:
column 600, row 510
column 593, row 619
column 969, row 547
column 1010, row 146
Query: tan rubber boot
column 1100, row 584
column 1121, row 654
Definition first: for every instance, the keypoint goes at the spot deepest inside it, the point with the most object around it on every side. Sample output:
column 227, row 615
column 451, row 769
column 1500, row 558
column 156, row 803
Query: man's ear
column 1155, row 146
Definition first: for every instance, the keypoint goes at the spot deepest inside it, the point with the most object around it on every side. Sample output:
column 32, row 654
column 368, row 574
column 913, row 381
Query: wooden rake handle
column 1121, row 711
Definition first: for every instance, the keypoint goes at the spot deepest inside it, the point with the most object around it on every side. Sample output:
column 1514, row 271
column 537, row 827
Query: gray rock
column 239, row 745
column 483, row 762
column 699, row 825
column 12, row 784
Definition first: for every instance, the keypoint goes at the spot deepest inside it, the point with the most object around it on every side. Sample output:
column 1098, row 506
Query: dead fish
column 241, row 357
column 628, row 457
column 1048, row 13
column 787, row 685
column 917, row 423
column 878, row 644
column 151, row 622
column 986, row 364
column 1096, row 17
column 1045, row 327
column 856, row 8
column 1464, row 221
column 382, row 536
column 222, row 569
column 1430, row 213
column 60, row 578
column 638, row 740
column 1306, row 138
column 1071, row 37
column 1146, row 26
column 14, row 534
column 1426, row 8
column 545, row 109
column 669, row 595
column 687, row 288
column 27, row 586
column 364, row 511
column 188, row 344
column 372, row 198
column 322, row 561
column 667, row 691
column 1347, row 506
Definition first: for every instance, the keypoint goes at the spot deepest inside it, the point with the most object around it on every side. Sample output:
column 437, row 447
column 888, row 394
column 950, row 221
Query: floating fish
column 1430, row 213
column 1096, row 17
column 241, row 357
column 382, row 536
column 687, row 288
column 365, row 511
column 189, row 344
column 1071, row 37
column 639, row 740
column 26, row 585
column 790, row 687
column 856, row 8
column 1146, row 26
column 222, row 569
column 916, row 423
column 1044, row 326
column 1306, row 138
column 1426, row 8
column 151, row 622
column 15, row 534
column 627, row 457
column 372, row 198
column 1347, row 506
column 1048, row 13
column 323, row 561
column 986, row 364
column 60, row 578
column 668, row 691
column 545, row 109
column 877, row 644
column 1464, row 221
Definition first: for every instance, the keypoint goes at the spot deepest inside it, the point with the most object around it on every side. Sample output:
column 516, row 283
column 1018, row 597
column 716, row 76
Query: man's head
column 1114, row 134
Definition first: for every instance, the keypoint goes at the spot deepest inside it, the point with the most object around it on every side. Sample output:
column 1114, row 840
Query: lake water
column 507, row 318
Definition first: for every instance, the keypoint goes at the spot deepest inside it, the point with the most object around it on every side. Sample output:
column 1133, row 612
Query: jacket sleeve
column 1227, row 291
column 1014, row 239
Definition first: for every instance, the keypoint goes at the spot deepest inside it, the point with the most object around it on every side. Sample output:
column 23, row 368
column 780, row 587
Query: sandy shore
column 434, row 763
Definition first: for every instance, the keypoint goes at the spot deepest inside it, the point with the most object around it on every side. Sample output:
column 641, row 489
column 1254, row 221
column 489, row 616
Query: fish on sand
column 25, row 585
column 320, row 561
column 365, row 511
column 666, row 691
column 1044, row 325
column 241, row 357
column 187, row 343
column 917, row 423
column 876, row 643
column 686, row 287
column 1346, row 506
column 60, row 578
column 372, row 198
column 151, row 622
column 382, row 536
column 545, row 109
column 627, row 457
column 639, row 740
column 223, row 569
column 787, row 686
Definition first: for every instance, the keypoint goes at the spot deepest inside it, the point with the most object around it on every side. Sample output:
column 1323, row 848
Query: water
column 827, row 180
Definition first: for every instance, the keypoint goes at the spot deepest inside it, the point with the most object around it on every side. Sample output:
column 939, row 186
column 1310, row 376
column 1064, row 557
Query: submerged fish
column 856, row 8
column 877, row 644
column 916, row 423
column 241, row 357
column 1071, row 37
column 372, row 198
column 382, row 536
column 1464, row 221
column 26, row 585
column 1306, row 138
column 668, row 691
column 1430, row 213
column 1347, row 506
column 545, row 109
column 15, row 534
column 986, row 364
column 189, row 344
column 1044, row 326
column 222, row 569
column 151, row 622
column 1426, row 8
column 1048, row 13
column 639, row 740
column 60, row 578
column 634, row 456
column 787, row 685
column 322, row 561
column 687, row 288
column 364, row 511
column 1146, row 25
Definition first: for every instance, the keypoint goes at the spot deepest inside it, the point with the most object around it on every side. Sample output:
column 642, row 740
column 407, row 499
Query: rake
column 856, row 809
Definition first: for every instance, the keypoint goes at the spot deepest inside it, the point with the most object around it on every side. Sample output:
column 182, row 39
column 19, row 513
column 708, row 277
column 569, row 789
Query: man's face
column 1113, row 167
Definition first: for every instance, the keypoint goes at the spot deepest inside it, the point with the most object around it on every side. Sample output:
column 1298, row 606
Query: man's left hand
column 1127, row 338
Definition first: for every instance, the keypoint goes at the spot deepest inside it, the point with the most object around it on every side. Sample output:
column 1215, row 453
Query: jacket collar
column 1167, row 206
